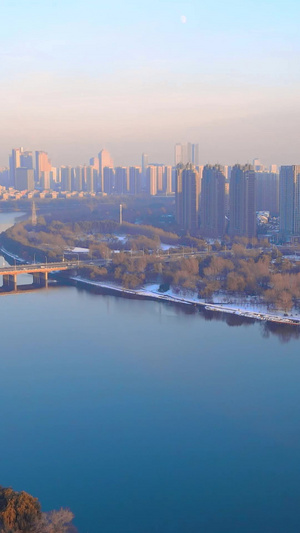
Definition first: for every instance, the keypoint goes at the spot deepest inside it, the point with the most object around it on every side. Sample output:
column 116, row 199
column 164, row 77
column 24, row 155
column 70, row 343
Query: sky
column 139, row 76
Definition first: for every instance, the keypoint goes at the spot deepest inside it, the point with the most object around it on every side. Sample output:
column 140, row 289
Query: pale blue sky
column 78, row 76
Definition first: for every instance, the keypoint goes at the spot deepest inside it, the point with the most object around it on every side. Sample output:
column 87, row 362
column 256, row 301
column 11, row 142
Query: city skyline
column 144, row 76
column 116, row 160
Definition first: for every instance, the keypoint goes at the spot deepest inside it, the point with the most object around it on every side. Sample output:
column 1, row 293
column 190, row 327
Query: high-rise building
column 187, row 197
column 4, row 177
column 54, row 178
column 212, row 213
column 186, row 153
column 78, row 179
column 168, row 182
column 193, row 154
column 151, row 184
column 135, row 185
column 108, row 180
column 45, row 180
column 180, row 154
column 94, row 162
column 160, row 179
column 242, row 201
column 289, row 200
column 42, row 164
column 121, row 180
column 91, row 177
column 24, row 179
column 267, row 192
column 26, row 160
column 274, row 169
column 14, row 163
column 66, row 178
column 257, row 165
column 227, row 185
column 105, row 160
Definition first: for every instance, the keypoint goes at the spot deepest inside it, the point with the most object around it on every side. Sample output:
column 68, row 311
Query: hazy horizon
column 81, row 76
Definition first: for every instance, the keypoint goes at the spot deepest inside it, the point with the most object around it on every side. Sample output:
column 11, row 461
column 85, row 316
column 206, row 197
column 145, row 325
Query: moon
column 183, row 19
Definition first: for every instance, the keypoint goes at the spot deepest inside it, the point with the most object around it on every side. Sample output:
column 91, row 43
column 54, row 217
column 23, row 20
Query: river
column 145, row 417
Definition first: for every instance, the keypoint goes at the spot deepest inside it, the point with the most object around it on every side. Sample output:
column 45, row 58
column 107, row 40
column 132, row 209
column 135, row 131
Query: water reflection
column 284, row 332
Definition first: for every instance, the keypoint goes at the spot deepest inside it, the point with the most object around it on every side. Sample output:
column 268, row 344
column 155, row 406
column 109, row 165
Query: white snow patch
column 78, row 250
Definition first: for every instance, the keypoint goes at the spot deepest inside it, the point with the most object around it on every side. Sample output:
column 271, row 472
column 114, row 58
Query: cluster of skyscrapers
column 212, row 199
column 28, row 172
column 216, row 200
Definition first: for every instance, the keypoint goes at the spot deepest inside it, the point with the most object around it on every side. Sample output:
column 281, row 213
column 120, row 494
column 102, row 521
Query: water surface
column 143, row 417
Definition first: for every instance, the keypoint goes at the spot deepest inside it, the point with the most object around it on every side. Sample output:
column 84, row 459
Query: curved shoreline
column 155, row 295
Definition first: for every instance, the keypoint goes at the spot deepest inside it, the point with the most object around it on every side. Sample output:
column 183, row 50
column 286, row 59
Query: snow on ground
column 242, row 307
column 122, row 238
column 78, row 250
column 166, row 247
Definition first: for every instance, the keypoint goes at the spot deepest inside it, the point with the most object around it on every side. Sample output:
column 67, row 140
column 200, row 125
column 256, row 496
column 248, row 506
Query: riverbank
column 152, row 292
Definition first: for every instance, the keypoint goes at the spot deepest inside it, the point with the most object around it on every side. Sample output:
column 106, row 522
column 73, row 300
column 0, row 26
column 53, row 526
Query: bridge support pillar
column 10, row 282
column 44, row 279
column 40, row 278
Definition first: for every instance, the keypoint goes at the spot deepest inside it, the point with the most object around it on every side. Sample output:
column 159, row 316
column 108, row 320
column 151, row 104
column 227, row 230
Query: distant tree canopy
column 21, row 513
column 133, row 255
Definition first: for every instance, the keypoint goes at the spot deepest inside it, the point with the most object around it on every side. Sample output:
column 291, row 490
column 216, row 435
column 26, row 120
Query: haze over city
column 78, row 76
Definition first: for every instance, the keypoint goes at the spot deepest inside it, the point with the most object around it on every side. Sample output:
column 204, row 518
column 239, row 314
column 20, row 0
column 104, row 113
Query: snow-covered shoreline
column 152, row 292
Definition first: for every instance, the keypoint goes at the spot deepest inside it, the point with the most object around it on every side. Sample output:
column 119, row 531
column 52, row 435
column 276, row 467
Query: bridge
column 39, row 272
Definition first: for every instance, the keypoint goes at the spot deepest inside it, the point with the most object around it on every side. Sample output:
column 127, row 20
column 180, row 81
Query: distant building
column 187, row 197
column 180, row 154
column 212, row 213
column 66, row 178
column 26, row 160
column 45, row 180
column 78, row 179
column 193, row 154
column 108, row 180
column 91, row 177
column 4, row 177
column 289, row 200
column 151, row 181
column 242, row 201
column 24, row 179
column 42, row 164
column 105, row 160
column 14, row 163
column 168, row 181
column 135, row 180
column 145, row 163
column 267, row 192
column 121, row 180
column 186, row 153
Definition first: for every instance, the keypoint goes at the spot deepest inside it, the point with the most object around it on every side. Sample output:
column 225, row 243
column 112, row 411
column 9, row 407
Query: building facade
column 242, row 201
column 212, row 212
column 289, row 200
column 187, row 197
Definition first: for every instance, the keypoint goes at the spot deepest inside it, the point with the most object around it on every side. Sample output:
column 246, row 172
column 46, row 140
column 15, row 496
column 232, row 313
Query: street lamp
column 46, row 260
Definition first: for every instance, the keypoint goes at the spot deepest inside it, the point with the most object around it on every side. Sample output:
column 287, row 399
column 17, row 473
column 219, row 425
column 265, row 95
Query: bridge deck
column 35, row 268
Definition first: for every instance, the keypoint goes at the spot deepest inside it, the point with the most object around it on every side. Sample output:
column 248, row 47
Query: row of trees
column 246, row 272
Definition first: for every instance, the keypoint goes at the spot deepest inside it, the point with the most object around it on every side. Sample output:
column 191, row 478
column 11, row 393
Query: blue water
column 144, row 418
